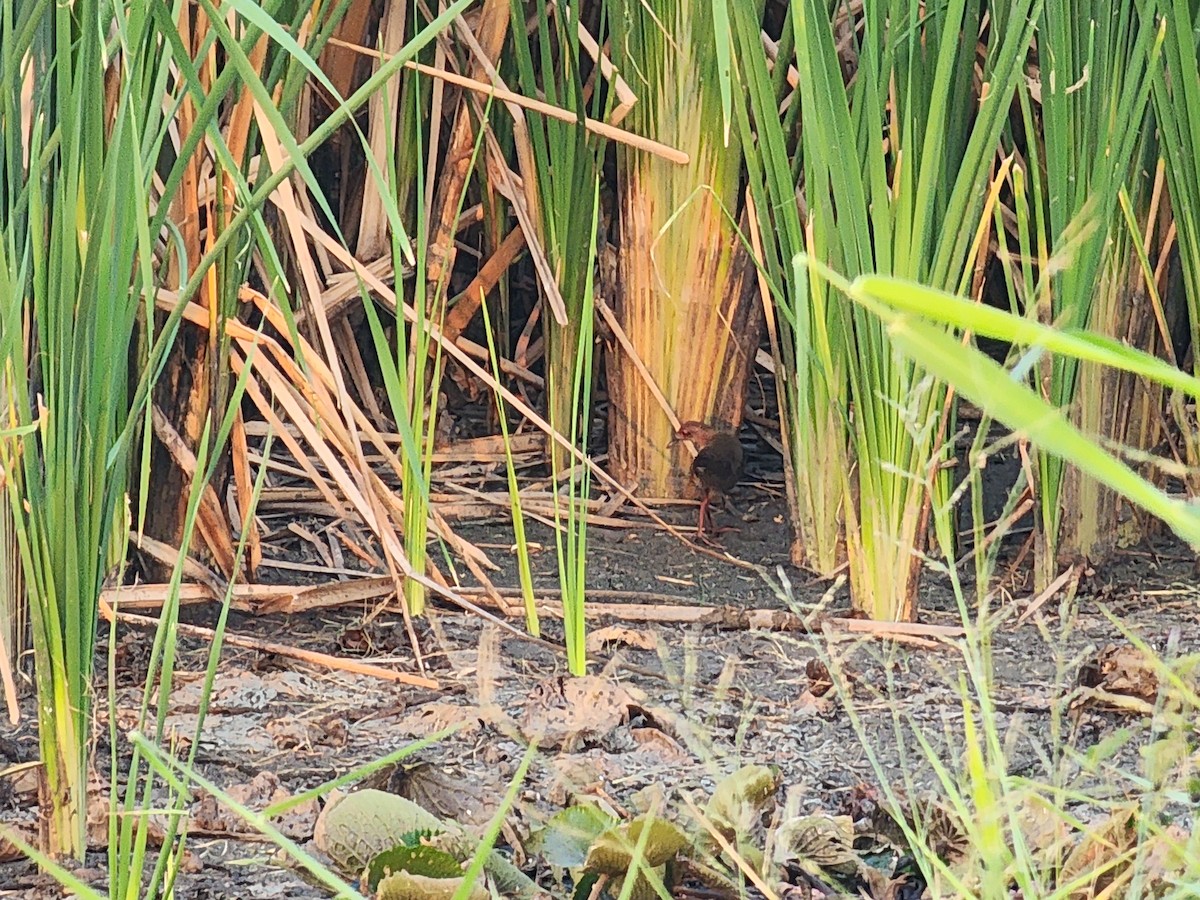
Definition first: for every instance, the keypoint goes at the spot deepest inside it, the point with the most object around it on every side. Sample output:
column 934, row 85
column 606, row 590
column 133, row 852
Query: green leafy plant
column 735, row 840
column 78, row 282
column 573, row 488
column 907, row 202
column 1086, row 139
column 371, row 830
column 591, row 845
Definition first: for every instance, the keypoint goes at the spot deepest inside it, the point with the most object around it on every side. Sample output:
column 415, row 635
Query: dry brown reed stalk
column 492, row 29
column 332, row 441
column 13, row 609
column 196, row 385
column 307, row 401
column 244, row 494
column 690, row 320
column 374, row 238
column 1117, row 408
column 496, row 88
column 686, row 291
column 210, row 519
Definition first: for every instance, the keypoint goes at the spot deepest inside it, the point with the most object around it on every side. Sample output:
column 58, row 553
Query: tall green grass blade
column 1095, row 62
column 47, row 863
column 812, row 395
column 492, row 832
column 524, row 568
column 984, row 320
column 77, row 254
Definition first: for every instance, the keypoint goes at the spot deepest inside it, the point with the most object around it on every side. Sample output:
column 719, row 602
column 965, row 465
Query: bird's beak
column 673, row 441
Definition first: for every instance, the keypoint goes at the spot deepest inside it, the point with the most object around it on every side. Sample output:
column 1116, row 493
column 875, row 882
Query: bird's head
column 696, row 432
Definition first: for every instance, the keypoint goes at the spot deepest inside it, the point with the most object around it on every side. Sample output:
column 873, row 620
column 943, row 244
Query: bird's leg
column 725, row 505
column 705, row 512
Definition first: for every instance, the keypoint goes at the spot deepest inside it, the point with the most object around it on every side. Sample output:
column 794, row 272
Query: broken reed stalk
column 686, row 296
column 492, row 27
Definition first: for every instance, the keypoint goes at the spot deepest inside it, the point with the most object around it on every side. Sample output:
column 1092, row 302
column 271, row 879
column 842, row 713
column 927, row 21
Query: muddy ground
column 706, row 699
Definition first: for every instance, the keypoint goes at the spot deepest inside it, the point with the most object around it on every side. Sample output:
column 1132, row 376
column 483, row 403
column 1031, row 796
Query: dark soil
column 721, row 697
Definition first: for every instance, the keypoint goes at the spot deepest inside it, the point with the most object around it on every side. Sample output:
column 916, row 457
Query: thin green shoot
column 524, row 567
column 638, row 869
column 360, row 772
column 51, row 866
column 180, row 774
column 571, row 510
column 492, row 832
column 412, row 371
column 129, row 826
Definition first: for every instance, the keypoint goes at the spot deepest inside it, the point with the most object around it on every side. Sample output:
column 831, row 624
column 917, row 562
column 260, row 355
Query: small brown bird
column 718, row 462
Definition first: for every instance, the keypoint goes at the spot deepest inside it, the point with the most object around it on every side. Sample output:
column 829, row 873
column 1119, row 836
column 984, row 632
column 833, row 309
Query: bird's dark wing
column 719, row 465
